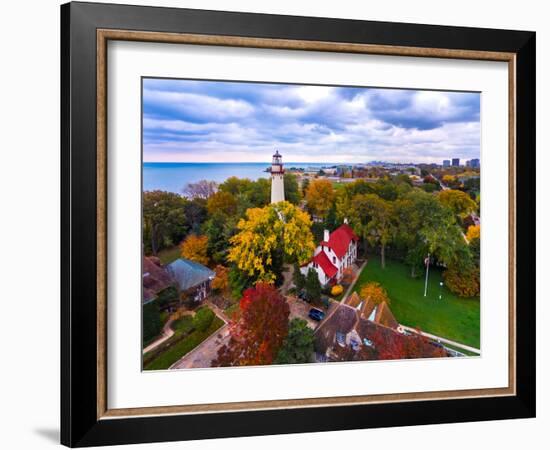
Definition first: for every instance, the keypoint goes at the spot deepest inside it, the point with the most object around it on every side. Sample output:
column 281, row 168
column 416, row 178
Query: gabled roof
column 380, row 313
column 155, row 278
column 189, row 273
column 324, row 263
column 340, row 239
column 385, row 317
column 353, row 300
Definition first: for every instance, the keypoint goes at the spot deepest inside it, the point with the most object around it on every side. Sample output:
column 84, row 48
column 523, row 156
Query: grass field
column 183, row 346
column 452, row 317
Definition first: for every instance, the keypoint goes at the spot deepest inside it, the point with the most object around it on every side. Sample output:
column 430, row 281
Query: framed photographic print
column 277, row 224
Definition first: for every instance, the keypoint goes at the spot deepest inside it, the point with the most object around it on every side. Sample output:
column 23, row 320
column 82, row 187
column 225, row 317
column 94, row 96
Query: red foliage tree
column 392, row 345
column 260, row 331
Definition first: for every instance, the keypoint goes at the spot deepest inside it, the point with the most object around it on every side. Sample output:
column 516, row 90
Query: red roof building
column 336, row 252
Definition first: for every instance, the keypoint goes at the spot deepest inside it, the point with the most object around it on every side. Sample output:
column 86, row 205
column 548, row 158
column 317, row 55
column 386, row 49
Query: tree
column 201, row 189
column 371, row 217
column 235, row 186
column 305, row 185
column 320, row 197
column 464, row 281
column 312, row 286
column 378, row 226
column 292, row 190
column 474, row 232
column 218, row 229
column 195, row 213
column 392, row 345
column 298, row 278
column 238, row 282
column 164, row 220
column 458, row 202
column 259, row 193
column 297, row 348
column 450, row 181
column 195, row 248
column 151, row 321
column 261, row 330
column 424, row 225
column 374, row 292
column 222, row 203
column 220, row 283
column 268, row 234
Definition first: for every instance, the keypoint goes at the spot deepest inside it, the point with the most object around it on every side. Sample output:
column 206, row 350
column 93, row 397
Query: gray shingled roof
column 189, row 273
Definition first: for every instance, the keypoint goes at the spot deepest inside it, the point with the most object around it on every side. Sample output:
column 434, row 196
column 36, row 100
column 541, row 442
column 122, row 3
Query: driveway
column 300, row 309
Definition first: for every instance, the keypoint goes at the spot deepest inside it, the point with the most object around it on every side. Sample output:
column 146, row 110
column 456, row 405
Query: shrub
column 203, row 318
column 167, row 296
column 336, row 290
column 151, row 321
column 463, row 282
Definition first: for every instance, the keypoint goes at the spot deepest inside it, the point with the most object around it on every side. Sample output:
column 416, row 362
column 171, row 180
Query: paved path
column 167, row 333
column 352, row 285
column 443, row 340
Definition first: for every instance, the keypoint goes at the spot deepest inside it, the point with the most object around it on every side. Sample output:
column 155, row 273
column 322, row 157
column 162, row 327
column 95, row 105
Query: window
column 340, row 338
column 334, row 260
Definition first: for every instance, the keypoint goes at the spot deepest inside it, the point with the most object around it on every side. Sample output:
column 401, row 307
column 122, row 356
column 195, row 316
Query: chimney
column 346, row 220
column 326, row 236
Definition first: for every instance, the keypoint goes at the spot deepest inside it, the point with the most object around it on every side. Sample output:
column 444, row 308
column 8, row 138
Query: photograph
column 297, row 224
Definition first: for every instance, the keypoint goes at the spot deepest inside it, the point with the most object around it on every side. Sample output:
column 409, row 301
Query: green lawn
column 452, row 317
column 168, row 255
column 183, row 346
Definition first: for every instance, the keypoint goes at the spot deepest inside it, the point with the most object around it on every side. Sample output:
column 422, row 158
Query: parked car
column 303, row 296
column 316, row 314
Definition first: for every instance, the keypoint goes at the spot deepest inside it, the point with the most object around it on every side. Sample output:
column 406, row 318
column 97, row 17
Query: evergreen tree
column 298, row 346
column 298, row 278
column 313, row 287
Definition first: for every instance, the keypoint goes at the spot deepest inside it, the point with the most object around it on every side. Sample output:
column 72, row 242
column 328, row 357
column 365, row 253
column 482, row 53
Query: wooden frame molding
column 103, row 36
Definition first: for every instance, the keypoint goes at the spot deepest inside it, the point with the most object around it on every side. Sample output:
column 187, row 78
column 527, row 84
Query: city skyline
column 209, row 121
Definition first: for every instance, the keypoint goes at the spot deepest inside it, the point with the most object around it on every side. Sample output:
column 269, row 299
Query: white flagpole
column 427, row 270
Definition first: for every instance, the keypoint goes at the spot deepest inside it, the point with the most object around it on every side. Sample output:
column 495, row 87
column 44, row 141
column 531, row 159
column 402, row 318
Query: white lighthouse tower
column 277, row 179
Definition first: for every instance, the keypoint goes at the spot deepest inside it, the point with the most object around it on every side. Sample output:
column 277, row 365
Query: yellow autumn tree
column 375, row 293
column 320, row 197
column 280, row 227
column 473, row 232
column 458, row 202
column 194, row 248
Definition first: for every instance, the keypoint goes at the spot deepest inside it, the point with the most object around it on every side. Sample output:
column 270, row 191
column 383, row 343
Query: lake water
column 173, row 177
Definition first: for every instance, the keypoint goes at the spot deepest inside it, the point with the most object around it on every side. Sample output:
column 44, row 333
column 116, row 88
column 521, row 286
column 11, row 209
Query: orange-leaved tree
column 374, row 292
column 220, row 283
column 260, row 331
column 194, row 248
column 473, row 232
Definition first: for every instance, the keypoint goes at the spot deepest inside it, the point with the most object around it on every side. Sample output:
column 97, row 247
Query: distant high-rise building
column 456, row 162
column 446, row 162
column 468, row 163
column 474, row 163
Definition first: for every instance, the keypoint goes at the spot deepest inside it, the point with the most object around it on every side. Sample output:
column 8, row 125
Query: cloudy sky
column 209, row 121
